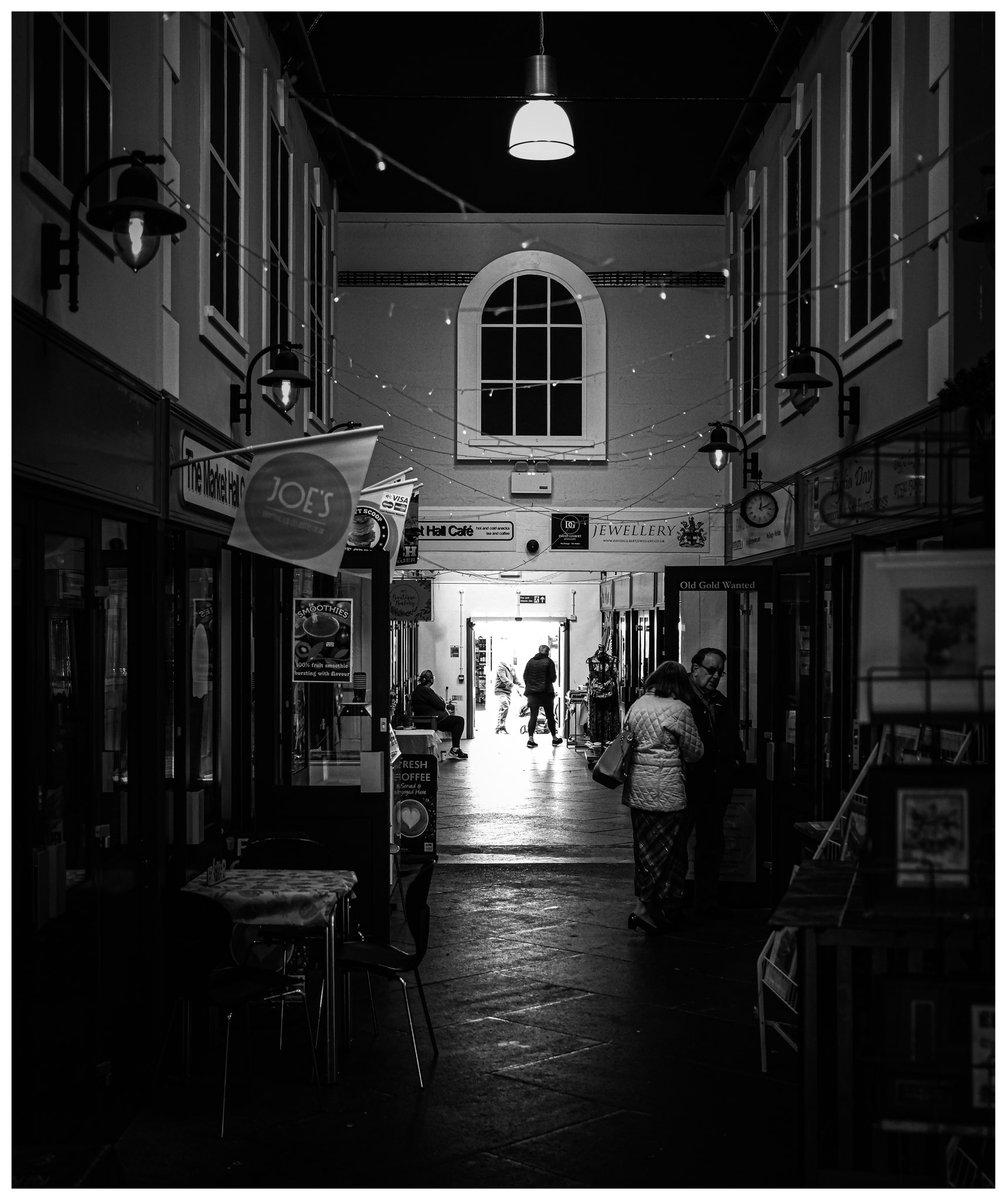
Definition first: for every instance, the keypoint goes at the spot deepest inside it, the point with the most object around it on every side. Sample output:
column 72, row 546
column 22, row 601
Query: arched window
column 531, row 362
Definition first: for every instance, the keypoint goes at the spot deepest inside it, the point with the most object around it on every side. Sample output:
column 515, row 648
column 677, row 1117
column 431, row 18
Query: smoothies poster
column 323, row 636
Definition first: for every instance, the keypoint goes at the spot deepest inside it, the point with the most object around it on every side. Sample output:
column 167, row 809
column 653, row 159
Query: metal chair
column 391, row 963
column 199, row 934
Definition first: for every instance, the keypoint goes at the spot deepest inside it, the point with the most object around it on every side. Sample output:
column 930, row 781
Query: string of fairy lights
column 903, row 251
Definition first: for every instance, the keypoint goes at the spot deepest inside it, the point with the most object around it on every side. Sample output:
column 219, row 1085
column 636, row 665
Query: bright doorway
column 496, row 639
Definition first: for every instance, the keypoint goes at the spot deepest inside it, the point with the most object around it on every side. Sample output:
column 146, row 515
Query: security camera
column 532, row 546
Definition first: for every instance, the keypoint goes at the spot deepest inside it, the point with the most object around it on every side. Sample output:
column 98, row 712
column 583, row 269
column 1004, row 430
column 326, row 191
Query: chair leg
column 311, row 1046
column 370, row 993
column 426, row 1011
column 412, row 1031
column 227, row 1051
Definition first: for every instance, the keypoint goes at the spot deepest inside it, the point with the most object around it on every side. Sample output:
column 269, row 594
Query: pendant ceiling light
column 541, row 129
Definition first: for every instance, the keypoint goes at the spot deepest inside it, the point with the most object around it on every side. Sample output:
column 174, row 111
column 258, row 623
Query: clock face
column 759, row 508
column 836, row 509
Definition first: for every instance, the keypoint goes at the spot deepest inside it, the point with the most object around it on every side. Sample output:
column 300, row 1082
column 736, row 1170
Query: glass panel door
column 728, row 609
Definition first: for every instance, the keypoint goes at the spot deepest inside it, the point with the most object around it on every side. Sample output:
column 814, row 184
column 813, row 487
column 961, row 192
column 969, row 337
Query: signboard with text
column 323, row 637
column 215, row 485
column 415, row 811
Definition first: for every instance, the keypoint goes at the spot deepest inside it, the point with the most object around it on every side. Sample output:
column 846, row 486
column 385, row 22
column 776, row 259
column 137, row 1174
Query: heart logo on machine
column 413, row 818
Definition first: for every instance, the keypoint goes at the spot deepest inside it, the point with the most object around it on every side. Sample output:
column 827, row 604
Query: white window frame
column 317, row 359
column 591, row 445
column 56, row 184
column 885, row 329
column 805, row 108
column 285, row 254
column 228, row 341
column 754, row 201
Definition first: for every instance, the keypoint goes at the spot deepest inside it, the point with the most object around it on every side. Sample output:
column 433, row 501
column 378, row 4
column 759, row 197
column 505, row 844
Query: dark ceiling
column 657, row 101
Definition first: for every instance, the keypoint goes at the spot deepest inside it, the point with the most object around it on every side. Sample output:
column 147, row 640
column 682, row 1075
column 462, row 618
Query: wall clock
column 759, row 508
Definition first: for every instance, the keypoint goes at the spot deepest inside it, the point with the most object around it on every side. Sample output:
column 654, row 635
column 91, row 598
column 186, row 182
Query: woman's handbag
column 613, row 766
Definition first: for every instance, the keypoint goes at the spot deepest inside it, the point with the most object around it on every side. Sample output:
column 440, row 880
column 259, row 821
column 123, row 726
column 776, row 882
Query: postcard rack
column 776, row 968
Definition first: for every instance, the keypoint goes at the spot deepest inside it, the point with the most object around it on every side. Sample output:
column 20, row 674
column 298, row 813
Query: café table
column 292, row 899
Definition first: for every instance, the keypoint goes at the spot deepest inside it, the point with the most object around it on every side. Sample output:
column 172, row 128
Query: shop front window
column 200, row 726
column 112, row 656
column 331, row 677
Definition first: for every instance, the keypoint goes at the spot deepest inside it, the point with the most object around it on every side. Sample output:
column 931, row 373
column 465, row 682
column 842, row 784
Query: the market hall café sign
column 215, row 485
column 465, row 532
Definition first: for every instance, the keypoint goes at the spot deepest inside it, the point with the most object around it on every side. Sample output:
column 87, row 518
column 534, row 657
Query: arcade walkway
column 573, row 1051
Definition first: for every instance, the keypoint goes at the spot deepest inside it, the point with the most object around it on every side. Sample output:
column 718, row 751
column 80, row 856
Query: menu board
column 415, row 811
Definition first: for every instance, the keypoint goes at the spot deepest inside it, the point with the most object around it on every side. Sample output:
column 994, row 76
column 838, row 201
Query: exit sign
column 531, row 599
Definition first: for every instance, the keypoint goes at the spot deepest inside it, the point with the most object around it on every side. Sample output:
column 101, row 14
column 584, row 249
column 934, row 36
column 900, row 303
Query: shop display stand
column 881, row 948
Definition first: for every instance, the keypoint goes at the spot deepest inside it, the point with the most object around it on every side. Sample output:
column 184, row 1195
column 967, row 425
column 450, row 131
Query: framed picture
column 926, row 635
column 929, row 838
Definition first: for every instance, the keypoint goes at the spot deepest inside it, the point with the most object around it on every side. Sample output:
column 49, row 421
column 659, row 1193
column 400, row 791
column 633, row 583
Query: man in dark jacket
column 710, row 781
column 426, row 703
column 539, row 678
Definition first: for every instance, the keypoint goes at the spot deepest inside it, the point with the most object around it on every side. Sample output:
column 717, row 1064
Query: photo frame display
column 926, row 635
column 930, row 838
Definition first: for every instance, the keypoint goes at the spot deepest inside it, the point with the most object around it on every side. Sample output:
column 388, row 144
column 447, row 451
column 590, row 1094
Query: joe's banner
column 300, row 497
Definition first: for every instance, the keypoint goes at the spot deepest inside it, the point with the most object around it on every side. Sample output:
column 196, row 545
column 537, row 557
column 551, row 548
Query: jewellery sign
column 323, row 637
column 300, row 499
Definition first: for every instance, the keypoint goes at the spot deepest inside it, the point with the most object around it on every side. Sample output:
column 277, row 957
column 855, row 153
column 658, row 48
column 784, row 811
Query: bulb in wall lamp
column 135, row 244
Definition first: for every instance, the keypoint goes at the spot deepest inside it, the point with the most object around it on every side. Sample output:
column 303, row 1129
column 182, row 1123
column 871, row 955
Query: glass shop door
column 731, row 608
column 82, row 844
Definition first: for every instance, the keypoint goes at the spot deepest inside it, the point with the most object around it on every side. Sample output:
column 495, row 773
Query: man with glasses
column 710, row 781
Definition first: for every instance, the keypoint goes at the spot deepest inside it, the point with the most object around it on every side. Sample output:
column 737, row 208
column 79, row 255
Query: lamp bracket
column 53, row 245
column 849, row 409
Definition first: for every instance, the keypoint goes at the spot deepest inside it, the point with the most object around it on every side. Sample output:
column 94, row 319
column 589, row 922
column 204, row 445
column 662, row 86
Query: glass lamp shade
column 135, row 242
column 541, row 131
column 804, row 398
column 719, row 458
column 135, row 218
column 285, row 378
column 802, row 381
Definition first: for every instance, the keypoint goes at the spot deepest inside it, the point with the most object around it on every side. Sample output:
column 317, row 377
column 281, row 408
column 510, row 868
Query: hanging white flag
column 300, row 497
column 379, row 517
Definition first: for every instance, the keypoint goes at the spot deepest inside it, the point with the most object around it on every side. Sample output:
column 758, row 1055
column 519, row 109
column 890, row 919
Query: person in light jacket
column 666, row 738
column 502, row 688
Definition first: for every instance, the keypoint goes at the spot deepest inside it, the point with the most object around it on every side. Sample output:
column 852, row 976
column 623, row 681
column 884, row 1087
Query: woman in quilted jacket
column 666, row 738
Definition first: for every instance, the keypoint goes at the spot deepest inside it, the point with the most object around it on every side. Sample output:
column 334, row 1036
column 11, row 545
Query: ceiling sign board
column 531, row 599
column 571, row 531
column 466, row 532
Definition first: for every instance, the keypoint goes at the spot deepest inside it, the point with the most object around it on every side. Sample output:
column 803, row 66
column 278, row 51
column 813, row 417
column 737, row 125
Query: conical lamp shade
column 541, row 130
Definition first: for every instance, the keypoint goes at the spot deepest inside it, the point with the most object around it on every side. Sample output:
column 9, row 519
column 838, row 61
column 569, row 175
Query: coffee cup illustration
column 319, row 635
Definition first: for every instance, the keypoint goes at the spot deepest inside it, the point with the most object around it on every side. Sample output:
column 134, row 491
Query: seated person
column 427, row 703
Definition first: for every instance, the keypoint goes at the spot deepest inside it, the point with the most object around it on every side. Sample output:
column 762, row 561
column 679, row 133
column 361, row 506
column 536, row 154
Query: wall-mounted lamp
column 803, row 382
column 541, row 129
column 285, row 378
column 720, row 451
column 135, row 218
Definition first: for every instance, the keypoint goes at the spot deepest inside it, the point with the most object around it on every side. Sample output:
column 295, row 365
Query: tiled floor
column 573, row 1051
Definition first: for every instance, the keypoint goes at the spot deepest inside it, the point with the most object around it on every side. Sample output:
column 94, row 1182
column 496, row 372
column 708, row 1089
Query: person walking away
column 710, row 781
column 666, row 736
column 427, row 703
column 502, row 688
column 539, row 689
